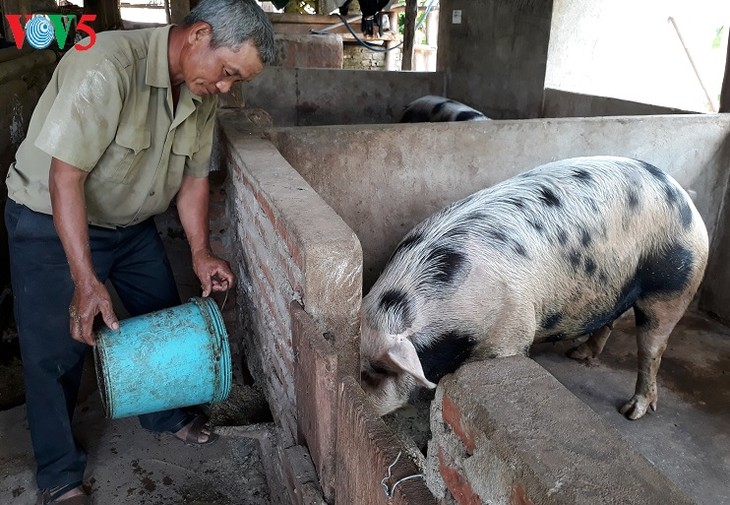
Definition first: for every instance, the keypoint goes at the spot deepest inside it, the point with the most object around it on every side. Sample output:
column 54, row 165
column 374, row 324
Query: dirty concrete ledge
column 506, row 431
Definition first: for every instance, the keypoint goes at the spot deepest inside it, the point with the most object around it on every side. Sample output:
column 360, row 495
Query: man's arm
column 66, row 185
column 192, row 206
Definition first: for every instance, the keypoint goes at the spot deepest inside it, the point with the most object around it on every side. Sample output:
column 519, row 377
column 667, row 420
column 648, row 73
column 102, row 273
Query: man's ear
column 200, row 30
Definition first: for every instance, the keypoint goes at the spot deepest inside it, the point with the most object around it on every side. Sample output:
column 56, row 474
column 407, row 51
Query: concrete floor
column 129, row 465
column 688, row 437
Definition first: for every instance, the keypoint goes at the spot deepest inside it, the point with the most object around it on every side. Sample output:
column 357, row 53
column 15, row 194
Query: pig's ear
column 403, row 355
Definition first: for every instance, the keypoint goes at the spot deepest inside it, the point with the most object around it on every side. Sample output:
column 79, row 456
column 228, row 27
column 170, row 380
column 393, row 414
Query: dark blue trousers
column 134, row 260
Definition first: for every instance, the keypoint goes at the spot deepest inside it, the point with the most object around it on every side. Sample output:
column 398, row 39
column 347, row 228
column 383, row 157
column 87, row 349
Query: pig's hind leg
column 591, row 348
column 655, row 320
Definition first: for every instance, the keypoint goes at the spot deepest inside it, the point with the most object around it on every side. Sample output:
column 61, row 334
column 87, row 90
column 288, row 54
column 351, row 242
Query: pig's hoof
column 637, row 407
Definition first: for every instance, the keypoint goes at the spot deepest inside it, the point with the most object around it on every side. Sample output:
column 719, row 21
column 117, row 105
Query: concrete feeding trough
column 317, row 212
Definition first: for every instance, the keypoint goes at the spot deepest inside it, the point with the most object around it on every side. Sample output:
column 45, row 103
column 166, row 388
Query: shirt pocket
column 184, row 144
column 122, row 156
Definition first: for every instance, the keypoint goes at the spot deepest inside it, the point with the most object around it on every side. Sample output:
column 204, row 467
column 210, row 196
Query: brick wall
column 289, row 246
column 357, row 57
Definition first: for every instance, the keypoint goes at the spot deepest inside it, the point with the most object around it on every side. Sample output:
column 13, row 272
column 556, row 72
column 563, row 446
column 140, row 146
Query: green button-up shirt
column 109, row 111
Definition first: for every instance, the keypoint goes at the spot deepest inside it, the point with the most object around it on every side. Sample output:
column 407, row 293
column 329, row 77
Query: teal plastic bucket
column 171, row 358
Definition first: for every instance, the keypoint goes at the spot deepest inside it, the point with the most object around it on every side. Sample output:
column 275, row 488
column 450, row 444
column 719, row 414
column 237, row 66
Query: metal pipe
column 694, row 67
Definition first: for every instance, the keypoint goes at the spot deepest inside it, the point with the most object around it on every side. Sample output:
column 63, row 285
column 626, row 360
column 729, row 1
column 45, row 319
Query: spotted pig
column 434, row 109
column 555, row 253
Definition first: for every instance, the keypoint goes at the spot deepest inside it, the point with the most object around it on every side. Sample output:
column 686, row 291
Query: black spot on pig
column 519, row 249
column 408, row 243
column 685, row 213
column 583, row 175
column 498, row 236
column 677, row 201
column 633, row 199
column 672, row 194
column 551, row 320
column 548, row 197
column 397, row 303
column 590, row 266
column 585, row 238
column 592, row 204
column 516, row 202
column 445, row 265
column 445, row 354
column 643, row 320
column 663, row 272
column 415, row 115
column 468, row 115
column 500, row 240
column 658, row 174
column 437, row 108
column 574, row 258
column 562, row 237
column 538, row 227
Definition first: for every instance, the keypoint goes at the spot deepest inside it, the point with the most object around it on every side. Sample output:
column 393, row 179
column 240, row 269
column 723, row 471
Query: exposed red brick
column 263, row 234
column 452, row 416
column 267, row 273
column 265, row 206
column 457, row 485
column 291, row 243
column 519, row 497
column 293, row 273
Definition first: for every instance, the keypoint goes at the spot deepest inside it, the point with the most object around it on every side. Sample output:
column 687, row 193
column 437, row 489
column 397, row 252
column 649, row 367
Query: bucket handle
column 225, row 299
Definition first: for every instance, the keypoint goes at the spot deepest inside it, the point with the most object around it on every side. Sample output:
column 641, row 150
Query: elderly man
column 121, row 130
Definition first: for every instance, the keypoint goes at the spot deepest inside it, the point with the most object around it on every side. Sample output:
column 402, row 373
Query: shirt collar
column 158, row 66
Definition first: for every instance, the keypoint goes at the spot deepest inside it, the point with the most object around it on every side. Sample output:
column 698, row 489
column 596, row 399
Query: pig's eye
column 380, row 369
column 374, row 374
column 370, row 380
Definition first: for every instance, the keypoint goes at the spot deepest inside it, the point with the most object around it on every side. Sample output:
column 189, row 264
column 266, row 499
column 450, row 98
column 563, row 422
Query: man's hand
column 214, row 273
column 89, row 299
column 192, row 206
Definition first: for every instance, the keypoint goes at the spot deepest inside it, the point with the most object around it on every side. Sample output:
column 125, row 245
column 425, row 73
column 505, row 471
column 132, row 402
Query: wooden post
column 725, row 90
column 409, row 34
column 391, row 57
column 167, row 11
column 178, row 10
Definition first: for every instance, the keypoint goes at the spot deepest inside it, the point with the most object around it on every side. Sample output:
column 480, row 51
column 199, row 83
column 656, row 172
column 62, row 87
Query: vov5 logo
column 41, row 29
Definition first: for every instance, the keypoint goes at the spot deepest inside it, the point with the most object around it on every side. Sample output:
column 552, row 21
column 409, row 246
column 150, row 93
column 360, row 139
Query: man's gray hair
column 235, row 22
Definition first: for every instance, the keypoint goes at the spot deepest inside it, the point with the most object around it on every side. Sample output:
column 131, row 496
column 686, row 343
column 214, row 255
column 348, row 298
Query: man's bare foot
column 196, row 432
column 76, row 495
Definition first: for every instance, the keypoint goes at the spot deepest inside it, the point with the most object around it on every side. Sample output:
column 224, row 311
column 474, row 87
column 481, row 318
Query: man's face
column 209, row 71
